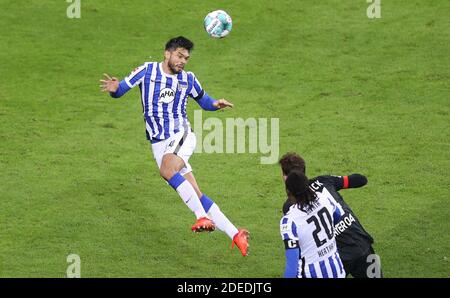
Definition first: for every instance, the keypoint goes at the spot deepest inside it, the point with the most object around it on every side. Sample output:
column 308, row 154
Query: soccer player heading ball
column 165, row 87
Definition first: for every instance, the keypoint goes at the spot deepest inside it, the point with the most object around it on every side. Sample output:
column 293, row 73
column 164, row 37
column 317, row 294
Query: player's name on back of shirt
column 316, row 185
column 311, row 207
column 324, row 251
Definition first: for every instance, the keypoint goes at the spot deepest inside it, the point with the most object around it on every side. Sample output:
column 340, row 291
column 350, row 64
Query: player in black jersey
column 353, row 242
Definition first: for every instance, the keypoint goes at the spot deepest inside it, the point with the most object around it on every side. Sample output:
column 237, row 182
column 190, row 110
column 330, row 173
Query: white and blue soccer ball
column 218, row 24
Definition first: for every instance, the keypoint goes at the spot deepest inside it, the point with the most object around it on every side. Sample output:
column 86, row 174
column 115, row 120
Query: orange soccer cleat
column 241, row 241
column 203, row 224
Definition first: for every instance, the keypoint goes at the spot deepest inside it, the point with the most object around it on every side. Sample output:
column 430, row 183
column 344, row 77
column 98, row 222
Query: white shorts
column 182, row 144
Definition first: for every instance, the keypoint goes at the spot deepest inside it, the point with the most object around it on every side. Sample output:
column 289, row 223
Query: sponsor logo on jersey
column 166, row 95
column 343, row 224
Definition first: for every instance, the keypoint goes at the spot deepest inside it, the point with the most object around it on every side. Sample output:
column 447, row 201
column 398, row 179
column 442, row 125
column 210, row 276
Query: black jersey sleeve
column 340, row 182
column 337, row 182
column 356, row 180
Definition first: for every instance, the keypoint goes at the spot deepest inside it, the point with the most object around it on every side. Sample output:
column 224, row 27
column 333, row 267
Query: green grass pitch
column 352, row 94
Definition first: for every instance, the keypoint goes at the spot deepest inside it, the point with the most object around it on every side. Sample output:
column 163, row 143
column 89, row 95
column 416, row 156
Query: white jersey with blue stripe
column 164, row 98
column 311, row 231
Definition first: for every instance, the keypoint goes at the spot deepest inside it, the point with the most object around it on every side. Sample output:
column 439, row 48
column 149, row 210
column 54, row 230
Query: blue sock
column 206, row 202
column 176, row 180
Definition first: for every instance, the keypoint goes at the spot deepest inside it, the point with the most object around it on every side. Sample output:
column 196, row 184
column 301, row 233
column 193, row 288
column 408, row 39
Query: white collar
column 174, row 76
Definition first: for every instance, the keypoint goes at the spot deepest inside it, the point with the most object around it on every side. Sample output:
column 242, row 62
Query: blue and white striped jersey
column 310, row 234
column 164, row 98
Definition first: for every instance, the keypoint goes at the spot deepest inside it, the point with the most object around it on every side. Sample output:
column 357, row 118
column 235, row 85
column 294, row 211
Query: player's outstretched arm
column 112, row 85
column 109, row 84
column 210, row 104
column 223, row 103
column 343, row 182
column 355, row 181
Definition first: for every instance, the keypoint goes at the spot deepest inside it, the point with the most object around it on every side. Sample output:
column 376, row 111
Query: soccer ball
column 218, row 24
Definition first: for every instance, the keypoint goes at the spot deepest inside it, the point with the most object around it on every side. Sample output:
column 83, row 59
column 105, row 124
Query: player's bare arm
column 109, row 84
column 222, row 103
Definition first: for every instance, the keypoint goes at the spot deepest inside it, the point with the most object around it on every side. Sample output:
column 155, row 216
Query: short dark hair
column 292, row 161
column 179, row 42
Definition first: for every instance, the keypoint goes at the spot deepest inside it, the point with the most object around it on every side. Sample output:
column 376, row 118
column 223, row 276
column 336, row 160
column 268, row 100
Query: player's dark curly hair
column 298, row 190
column 179, row 42
column 292, row 161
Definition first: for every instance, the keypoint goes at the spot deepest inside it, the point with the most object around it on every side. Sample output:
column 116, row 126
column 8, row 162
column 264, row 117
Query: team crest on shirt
column 166, row 95
column 182, row 85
